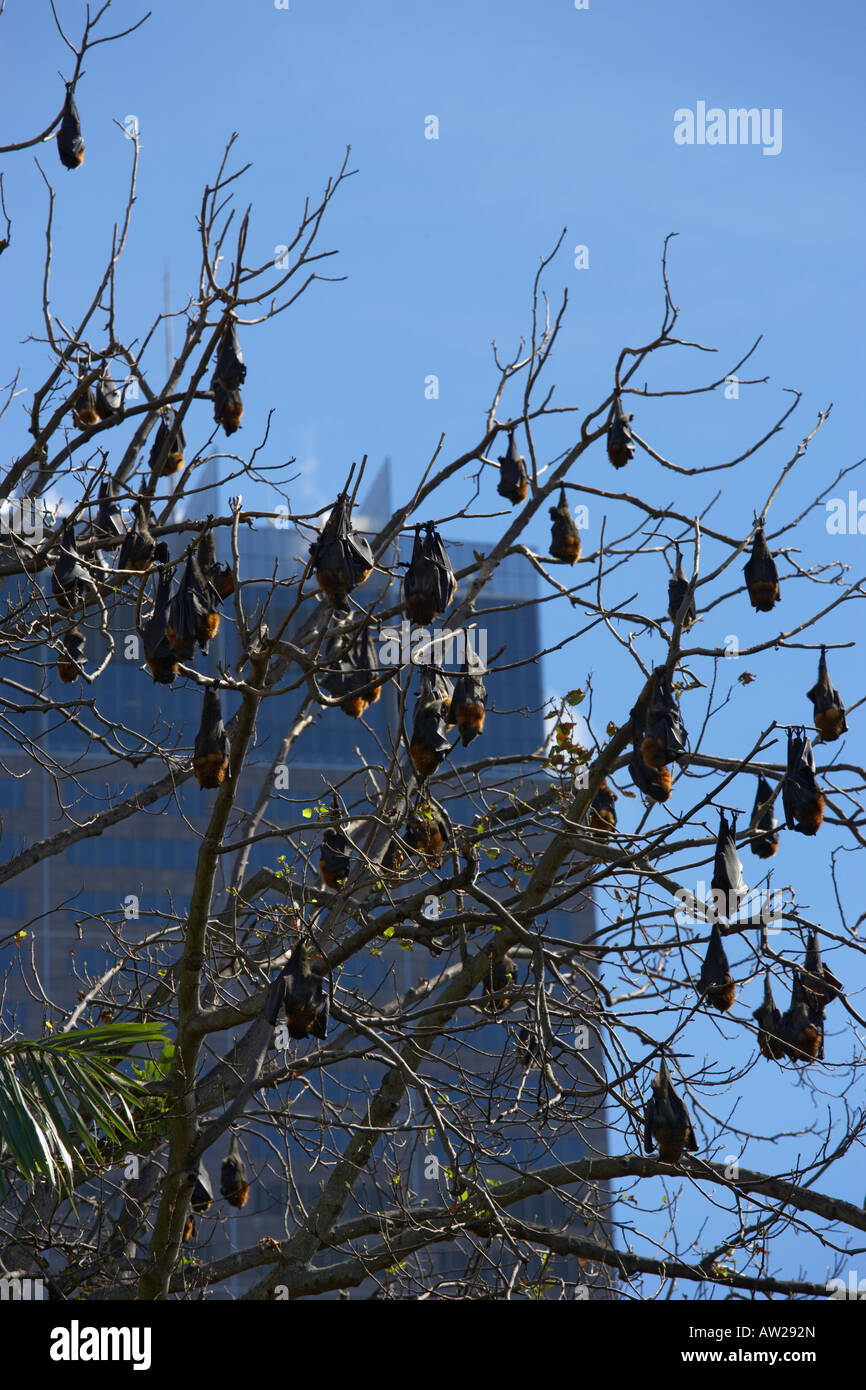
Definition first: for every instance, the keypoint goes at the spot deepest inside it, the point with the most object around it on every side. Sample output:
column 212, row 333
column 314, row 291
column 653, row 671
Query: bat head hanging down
column 341, row 558
column 716, row 983
column 73, row 652
column 220, row 577
column 139, row 545
column 234, row 1182
column 229, row 376
column 428, row 831
column 429, row 584
column 666, row 1120
column 158, row 651
column 678, row 588
column 729, row 887
column 620, row 443
column 762, row 577
column 71, row 583
column 469, row 701
column 305, row 999
column 429, row 743
column 354, row 680
column 70, row 145
column 513, row 479
column 830, row 718
column 335, row 860
column 763, row 826
column 564, row 535
column 169, row 433
column 659, row 737
column 771, row 1032
column 602, row 810
column 212, row 746
column 192, row 614
column 84, row 410
column 801, row 795
column 803, row 1025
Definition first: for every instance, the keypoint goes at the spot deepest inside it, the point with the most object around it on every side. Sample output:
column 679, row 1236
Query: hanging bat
column 305, row 999
column 202, row 1192
column 763, row 827
column 192, row 615
column 602, row 810
column 230, row 370
column 762, row 577
column 220, row 577
column 109, row 517
column 678, row 587
column 71, row 659
column 716, row 981
column 71, row 583
column 659, row 737
column 429, row 744
column 227, row 408
column 801, row 796
column 138, row 547
column 109, row 397
column 530, row 1049
column 620, row 444
column 169, row 429
column 427, row 831
column 823, row 987
column 771, row 1033
column 393, row 858
column 335, row 861
column 727, row 869
column 158, row 651
column 341, row 558
column 497, row 985
column 70, row 145
column 802, row 1026
column 830, row 718
column 513, row 480
column 212, row 748
column 188, row 1228
column 564, row 535
column 84, row 409
column 355, row 670
column 469, row 701
column 429, row 584
column 666, row 1120
column 234, row 1183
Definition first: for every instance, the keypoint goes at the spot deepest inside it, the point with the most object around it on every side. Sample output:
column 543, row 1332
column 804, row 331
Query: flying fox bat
column 71, row 659
column 620, row 444
column 71, row 583
column 70, row 145
column 109, row 517
column 529, row 1044
column 335, row 860
column 429, row 584
column 230, row 370
column 678, row 587
column 227, row 408
column 762, row 577
column 234, row 1183
column 830, row 718
column 220, row 577
column 716, row 981
column 513, row 480
column 428, row 744
column 659, row 737
column 497, row 985
column 139, row 545
column 802, row 1026
column 169, row 429
column 771, row 1033
column 84, row 408
column 357, row 668
column 823, row 987
column 763, row 826
column 428, row 830
column 666, row 1120
column 202, row 1192
column 602, row 810
column 109, row 397
column 469, row 701
column 564, row 535
column 305, row 999
column 212, row 746
column 188, row 1228
column 158, row 651
column 192, row 615
column 801, row 796
column 727, row 869
column 341, row 558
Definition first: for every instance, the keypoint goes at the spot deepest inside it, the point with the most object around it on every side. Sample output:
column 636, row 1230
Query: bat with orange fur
column 716, row 982
column 763, row 826
column 428, row 743
column 830, row 718
column 341, row 558
column 234, row 1180
column 469, row 701
column 429, row 584
column 513, row 479
column 212, row 749
column 666, row 1120
column 564, row 535
column 620, row 443
column 70, row 145
column 762, row 577
column 801, row 796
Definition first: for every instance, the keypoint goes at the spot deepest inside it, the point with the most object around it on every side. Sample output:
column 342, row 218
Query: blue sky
column 548, row 117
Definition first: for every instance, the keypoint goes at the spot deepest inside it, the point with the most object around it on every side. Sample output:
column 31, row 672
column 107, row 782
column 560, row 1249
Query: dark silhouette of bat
column 138, row 547
column 109, row 397
column 659, row 737
column 620, row 443
column 830, row 718
column 497, row 986
column 513, row 480
column 429, row 584
column 716, row 982
column 341, row 558
column 602, row 810
column 727, row 869
column 335, row 861
column 678, row 587
column 354, row 679
column 428, row 830
column 393, row 858
column 202, row 1192
column 666, row 1120
column 70, row 145
column 230, row 370
column 530, row 1050
column 220, row 577
column 429, row 744
column 763, row 826
column 469, row 701
column 71, row 658
column 71, row 583
column 212, row 748
column 305, row 998
column 234, row 1182
column 564, row 535
column 802, row 1026
column 192, row 615
column 169, row 429
column 109, row 517
column 820, row 986
column 158, row 651
column 771, row 1032
column 762, row 577
column 801, row 796
column 84, row 409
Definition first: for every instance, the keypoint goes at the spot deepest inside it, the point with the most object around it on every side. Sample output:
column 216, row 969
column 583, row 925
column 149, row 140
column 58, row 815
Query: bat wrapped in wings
column 70, row 145
column 428, row 830
column 513, row 480
column 803, row 1026
column 801, row 795
column 354, row 680
column 678, row 588
column 202, row 1196
column 666, row 1120
column 169, row 433
column 84, row 409
column 564, row 535
column 620, row 443
column 716, row 982
column 602, row 810
column 109, row 517
column 229, row 376
column 192, row 614
column 305, row 999
column 830, row 718
column 220, row 577
column 762, row 577
column 212, row 749
column 429, row 584
column 341, row 558
column 71, row 658
column 763, row 826
column 335, row 860
column 658, row 737
column 139, row 546
column 234, row 1181
column 109, row 397
column 469, row 701
column 428, row 743
column 71, row 583
column 498, row 984
column 771, row 1029
column 728, row 885
column 820, row 985
column 158, row 651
